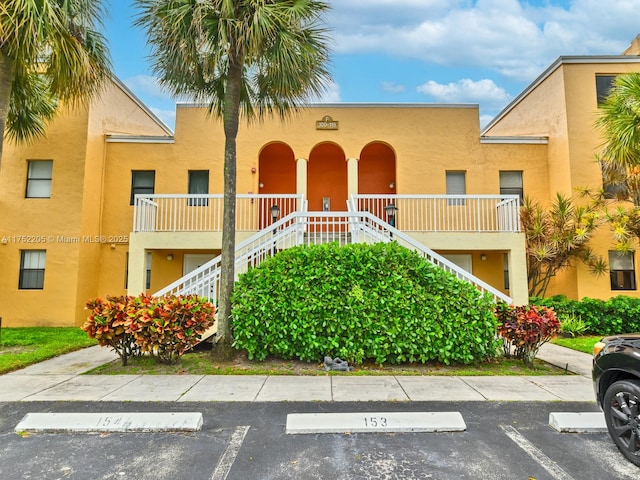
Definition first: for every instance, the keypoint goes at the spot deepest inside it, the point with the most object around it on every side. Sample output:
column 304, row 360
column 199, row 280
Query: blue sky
column 442, row 51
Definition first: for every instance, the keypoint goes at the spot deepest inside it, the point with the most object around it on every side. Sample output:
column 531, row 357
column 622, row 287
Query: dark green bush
column 619, row 314
column 358, row 302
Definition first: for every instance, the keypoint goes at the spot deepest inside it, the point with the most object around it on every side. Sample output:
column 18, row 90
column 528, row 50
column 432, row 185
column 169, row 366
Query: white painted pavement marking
column 231, row 452
column 534, row 452
column 111, row 422
column 355, row 422
column 572, row 422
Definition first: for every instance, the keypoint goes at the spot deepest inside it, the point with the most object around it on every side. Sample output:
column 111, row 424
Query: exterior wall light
column 170, row 257
column 391, row 210
column 483, row 256
column 275, row 213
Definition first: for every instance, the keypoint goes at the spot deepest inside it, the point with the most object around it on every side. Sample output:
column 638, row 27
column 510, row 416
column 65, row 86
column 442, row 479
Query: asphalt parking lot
column 240, row 441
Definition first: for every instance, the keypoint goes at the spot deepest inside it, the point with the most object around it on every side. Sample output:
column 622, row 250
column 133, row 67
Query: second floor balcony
column 409, row 213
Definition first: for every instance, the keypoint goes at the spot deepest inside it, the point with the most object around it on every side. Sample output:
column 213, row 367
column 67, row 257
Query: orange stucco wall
column 66, row 225
column 86, row 225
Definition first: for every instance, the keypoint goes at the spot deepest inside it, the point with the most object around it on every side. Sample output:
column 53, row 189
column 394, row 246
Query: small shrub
column 572, row 325
column 525, row 329
column 111, row 324
column 358, row 302
column 167, row 327
column 164, row 327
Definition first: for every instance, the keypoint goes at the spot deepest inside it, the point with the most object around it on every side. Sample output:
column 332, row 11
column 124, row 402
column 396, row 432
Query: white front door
column 194, row 260
column 463, row 260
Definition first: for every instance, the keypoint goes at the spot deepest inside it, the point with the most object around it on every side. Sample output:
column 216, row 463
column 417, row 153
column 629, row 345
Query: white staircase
column 304, row 228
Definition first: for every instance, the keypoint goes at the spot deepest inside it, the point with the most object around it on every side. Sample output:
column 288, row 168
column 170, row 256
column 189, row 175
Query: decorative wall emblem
column 327, row 123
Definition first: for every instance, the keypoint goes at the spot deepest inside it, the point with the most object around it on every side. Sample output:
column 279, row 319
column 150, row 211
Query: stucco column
column 301, row 176
column 137, row 270
column 352, row 176
column 518, row 284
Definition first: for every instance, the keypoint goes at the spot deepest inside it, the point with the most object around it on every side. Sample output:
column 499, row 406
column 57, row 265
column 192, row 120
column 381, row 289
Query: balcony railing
column 413, row 213
column 444, row 213
column 203, row 213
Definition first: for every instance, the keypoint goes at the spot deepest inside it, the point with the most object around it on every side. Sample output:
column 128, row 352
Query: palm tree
column 50, row 52
column 619, row 156
column 247, row 58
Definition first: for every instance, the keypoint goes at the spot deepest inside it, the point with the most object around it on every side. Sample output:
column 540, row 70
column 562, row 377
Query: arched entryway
column 276, row 175
column 377, row 169
column 327, row 178
column 377, row 175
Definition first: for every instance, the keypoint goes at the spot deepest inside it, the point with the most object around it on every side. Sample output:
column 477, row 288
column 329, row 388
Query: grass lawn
column 582, row 344
column 20, row 347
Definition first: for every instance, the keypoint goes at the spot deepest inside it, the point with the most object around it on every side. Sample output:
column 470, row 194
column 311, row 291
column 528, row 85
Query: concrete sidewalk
column 60, row 379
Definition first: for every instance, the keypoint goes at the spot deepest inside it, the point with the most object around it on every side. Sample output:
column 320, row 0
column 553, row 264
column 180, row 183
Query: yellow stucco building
column 113, row 202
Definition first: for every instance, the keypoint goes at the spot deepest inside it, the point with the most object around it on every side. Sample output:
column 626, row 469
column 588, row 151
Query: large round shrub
column 358, row 302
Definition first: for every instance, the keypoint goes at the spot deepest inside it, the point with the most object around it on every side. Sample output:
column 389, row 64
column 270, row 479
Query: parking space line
column 231, row 452
column 535, row 453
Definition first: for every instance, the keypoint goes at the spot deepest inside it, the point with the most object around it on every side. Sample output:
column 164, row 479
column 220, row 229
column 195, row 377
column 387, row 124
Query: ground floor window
column 147, row 263
column 32, row 269
column 622, row 271
column 505, row 270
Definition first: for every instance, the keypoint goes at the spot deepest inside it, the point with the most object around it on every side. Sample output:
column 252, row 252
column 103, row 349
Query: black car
column 616, row 380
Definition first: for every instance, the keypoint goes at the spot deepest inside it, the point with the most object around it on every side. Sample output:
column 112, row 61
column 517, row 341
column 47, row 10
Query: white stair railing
column 310, row 228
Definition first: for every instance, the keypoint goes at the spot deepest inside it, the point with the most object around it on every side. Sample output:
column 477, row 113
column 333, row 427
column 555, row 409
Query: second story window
column 142, row 182
column 511, row 184
column 39, row 174
column 456, row 185
column 604, row 83
column 198, row 185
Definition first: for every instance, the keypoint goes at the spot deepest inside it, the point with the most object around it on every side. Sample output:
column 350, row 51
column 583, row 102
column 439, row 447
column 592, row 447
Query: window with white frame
column 142, row 182
column 198, row 185
column 39, row 175
column 32, row 263
column 511, row 184
column 148, row 269
column 456, row 185
column 622, row 271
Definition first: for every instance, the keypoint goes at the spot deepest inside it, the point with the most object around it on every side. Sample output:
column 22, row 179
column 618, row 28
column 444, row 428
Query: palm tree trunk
column 231, row 118
column 7, row 68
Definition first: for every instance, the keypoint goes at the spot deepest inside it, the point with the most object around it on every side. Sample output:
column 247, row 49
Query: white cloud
column 467, row 91
column 392, row 87
column 514, row 38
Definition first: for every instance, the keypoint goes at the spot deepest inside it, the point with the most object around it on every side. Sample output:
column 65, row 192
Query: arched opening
column 377, row 175
column 277, row 175
column 327, row 178
column 377, row 169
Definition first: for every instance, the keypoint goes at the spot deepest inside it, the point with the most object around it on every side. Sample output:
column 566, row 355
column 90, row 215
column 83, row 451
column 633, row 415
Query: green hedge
column 358, row 302
column 619, row 314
